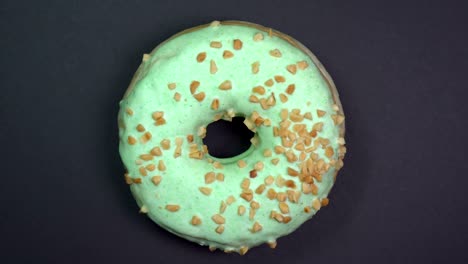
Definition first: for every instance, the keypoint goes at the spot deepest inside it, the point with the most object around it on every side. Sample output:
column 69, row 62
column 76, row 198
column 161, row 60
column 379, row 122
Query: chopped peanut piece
column 275, row 53
column 216, row 44
column 205, row 190
column 226, row 85
column 196, row 221
column 172, row 207
column 292, row 68
column 201, row 56
column 227, row 54
column 255, row 67
column 237, row 44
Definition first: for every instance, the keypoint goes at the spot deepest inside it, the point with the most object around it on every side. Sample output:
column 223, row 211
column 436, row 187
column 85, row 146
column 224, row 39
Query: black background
column 401, row 70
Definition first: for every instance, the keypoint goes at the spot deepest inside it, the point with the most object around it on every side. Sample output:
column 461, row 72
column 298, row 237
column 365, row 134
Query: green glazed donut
column 219, row 71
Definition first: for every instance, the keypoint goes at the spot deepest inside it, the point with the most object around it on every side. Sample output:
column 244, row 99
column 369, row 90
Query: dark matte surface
column 400, row 67
column 228, row 138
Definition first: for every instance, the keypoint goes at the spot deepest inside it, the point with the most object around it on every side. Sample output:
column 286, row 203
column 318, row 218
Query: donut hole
column 228, row 139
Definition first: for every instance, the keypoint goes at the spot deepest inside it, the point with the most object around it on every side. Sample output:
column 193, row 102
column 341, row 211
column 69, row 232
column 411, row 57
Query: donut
column 220, row 71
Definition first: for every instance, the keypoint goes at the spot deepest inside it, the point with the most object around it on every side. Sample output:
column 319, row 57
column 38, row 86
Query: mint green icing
column 175, row 62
